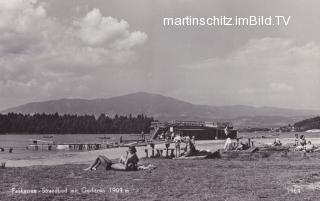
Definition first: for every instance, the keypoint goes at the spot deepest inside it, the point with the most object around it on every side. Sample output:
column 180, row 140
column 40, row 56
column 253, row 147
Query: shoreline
column 69, row 157
column 86, row 157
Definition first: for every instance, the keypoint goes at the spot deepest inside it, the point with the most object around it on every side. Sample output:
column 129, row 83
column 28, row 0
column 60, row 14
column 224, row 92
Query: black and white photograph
column 159, row 100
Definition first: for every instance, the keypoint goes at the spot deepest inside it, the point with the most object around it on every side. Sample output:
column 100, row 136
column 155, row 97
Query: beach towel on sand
column 121, row 167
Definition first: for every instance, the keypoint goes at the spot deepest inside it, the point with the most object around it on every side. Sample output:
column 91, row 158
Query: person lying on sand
column 129, row 162
column 230, row 146
column 190, row 151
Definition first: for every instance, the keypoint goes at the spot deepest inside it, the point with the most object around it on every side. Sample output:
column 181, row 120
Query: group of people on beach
column 235, row 146
column 130, row 160
column 301, row 144
column 189, row 148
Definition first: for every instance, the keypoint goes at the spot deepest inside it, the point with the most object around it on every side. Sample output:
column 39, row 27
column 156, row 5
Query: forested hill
column 72, row 124
column 308, row 124
column 164, row 108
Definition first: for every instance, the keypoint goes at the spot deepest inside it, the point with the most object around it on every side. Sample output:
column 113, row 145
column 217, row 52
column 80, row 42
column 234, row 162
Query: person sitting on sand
column 242, row 146
column 277, row 142
column 190, row 149
column 309, row 147
column 129, row 162
column 303, row 141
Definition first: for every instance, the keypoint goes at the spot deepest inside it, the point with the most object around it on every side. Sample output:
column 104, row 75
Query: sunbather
column 129, row 162
column 190, row 149
column 277, row 142
column 303, row 141
column 242, row 146
column 310, row 147
column 302, row 144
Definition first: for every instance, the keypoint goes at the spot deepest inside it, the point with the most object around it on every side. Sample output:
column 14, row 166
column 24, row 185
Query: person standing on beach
column 296, row 140
column 177, row 142
column 172, row 135
column 228, row 145
column 143, row 136
column 193, row 140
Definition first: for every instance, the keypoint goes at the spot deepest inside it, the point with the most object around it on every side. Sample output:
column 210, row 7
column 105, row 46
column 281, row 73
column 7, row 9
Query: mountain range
column 165, row 108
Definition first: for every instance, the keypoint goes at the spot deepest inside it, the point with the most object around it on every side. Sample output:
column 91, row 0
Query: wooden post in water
column 249, row 142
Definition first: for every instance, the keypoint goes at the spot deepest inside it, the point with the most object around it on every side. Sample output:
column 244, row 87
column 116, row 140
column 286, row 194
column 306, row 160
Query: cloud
column 95, row 29
column 22, row 24
column 42, row 57
column 271, row 88
column 280, row 87
column 133, row 39
column 264, row 71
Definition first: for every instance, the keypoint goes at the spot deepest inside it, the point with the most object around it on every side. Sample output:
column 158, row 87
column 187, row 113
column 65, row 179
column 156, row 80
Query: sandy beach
column 60, row 176
column 31, row 158
column 271, row 178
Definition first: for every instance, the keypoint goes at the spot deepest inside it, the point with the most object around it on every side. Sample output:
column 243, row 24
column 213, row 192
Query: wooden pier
column 72, row 146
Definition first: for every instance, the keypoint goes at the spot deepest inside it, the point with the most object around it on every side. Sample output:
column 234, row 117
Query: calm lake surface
column 21, row 141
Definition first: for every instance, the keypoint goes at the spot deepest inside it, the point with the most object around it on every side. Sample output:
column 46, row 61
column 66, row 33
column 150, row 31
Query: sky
column 52, row 49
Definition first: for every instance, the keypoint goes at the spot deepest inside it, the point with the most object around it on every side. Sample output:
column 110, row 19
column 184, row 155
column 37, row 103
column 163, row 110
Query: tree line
column 13, row 123
column 308, row 124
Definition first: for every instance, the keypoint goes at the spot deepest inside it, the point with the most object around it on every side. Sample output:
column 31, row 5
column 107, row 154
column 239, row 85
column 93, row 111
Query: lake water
column 18, row 142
